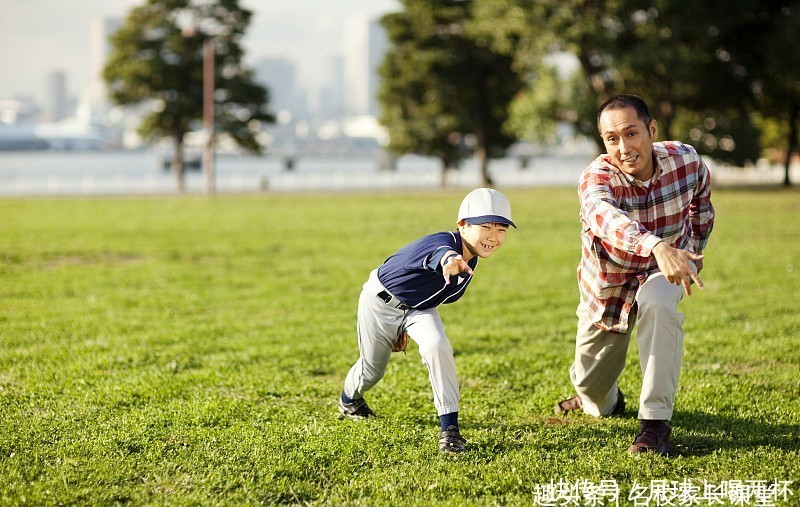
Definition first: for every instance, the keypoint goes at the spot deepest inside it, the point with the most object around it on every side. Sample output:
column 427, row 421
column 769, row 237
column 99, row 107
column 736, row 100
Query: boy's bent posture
column 399, row 302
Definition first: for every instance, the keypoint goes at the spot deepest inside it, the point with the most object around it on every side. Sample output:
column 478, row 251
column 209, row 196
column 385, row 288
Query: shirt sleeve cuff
column 645, row 248
column 699, row 243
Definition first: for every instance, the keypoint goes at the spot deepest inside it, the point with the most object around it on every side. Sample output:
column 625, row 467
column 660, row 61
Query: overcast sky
column 40, row 36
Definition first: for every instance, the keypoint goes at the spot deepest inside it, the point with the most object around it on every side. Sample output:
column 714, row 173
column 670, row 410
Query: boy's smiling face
column 481, row 240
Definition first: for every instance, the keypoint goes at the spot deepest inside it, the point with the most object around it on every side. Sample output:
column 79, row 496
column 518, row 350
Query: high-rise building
column 365, row 45
column 57, row 104
column 331, row 100
column 102, row 28
column 279, row 76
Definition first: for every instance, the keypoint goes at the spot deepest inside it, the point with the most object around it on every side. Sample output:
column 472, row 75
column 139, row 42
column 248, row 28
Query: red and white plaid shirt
column 624, row 218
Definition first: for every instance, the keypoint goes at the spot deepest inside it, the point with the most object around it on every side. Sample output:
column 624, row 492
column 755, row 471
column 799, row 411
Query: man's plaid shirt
column 623, row 219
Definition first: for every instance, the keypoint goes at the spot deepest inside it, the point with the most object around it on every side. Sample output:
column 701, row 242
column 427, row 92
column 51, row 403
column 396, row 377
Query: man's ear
column 653, row 130
column 462, row 222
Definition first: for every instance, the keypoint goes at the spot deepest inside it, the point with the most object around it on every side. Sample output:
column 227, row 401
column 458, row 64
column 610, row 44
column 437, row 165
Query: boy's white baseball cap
column 485, row 205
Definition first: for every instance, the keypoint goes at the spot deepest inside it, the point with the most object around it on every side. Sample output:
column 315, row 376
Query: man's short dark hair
column 625, row 100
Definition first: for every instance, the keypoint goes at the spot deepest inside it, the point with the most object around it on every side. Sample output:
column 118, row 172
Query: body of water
column 35, row 173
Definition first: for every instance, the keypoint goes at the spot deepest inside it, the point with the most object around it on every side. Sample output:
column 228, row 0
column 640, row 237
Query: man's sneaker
column 653, row 437
column 451, row 441
column 356, row 410
column 573, row 404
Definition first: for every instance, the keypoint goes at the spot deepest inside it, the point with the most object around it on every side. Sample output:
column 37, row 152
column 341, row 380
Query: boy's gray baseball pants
column 379, row 325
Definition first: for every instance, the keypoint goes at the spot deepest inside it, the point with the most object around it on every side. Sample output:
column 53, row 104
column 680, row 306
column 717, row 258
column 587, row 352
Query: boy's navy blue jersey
column 414, row 274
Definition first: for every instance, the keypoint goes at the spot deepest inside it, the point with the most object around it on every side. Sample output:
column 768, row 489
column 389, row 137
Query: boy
column 399, row 302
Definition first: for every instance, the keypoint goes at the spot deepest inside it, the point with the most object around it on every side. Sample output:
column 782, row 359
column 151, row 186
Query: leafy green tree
column 157, row 60
column 511, row 28
column 664, row 50
column 535, row 112
column 530, row 31
column 444, row 91
column 762, row 55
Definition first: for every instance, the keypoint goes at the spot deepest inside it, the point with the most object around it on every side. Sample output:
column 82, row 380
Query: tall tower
column 280, row 77
column 331, row 101
column 56, row 96
column 101, row 30
column 365, row 44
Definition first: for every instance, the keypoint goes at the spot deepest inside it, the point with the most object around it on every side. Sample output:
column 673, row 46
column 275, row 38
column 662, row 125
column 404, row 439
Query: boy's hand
column 455, row 264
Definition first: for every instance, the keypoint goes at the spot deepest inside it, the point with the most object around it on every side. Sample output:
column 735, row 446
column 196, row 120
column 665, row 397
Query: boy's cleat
column 451, row 441
column 356, row 410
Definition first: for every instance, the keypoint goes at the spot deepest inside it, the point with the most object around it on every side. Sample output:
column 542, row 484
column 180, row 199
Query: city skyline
column 40, row 38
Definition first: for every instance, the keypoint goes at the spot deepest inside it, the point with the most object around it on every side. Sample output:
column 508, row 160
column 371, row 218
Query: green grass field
column 189, row 351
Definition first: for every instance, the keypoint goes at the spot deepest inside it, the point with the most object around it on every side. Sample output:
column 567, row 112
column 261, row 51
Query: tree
column 762, row 57
column 156, row 59
column 524, row 29
column 663, row 50
column 444, row 91
column 666, row 55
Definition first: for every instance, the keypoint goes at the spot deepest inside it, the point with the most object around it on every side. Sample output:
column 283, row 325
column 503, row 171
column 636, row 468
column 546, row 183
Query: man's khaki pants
column 600, row 355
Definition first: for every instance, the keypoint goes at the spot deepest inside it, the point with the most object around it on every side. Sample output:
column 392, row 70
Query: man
column 646, row 214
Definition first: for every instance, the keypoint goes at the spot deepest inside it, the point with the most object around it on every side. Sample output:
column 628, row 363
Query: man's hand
column 453, row 265
column 676, row 265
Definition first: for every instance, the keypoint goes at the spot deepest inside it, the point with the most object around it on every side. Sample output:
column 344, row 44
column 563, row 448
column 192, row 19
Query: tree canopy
column 445, row 92
column 157, row 60
column 722, row 75
column 708, row 71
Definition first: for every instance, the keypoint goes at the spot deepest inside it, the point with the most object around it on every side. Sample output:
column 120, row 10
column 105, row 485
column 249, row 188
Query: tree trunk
column 600, row 88
column 483, row 160
column 177, row 162
column 666, row 113
column 447, row 165
column 794, row 118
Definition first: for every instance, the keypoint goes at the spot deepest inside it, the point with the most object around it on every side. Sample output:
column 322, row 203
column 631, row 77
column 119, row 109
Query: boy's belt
column 392, row 301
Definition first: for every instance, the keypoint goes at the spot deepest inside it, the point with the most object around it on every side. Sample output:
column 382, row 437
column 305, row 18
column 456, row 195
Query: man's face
column 629, row 141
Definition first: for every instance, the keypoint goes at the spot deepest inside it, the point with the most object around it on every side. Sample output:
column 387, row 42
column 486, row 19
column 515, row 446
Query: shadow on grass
column 551, row 433
column 694, row 434
column 701, row 434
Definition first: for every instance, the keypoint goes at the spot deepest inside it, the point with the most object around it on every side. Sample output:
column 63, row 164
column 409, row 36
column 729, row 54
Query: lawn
column 189, row 351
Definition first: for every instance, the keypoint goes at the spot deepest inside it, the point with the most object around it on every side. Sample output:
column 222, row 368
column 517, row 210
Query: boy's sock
column 450, row 419
column 345, row 399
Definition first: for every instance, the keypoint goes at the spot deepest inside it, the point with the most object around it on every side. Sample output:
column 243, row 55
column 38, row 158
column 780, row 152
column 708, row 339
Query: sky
column 38, row 37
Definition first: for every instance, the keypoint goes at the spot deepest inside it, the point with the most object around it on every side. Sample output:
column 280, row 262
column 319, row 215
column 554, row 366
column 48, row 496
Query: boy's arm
column 452, row 264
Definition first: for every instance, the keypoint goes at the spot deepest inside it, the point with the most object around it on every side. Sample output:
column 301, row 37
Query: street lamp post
column 208, row 104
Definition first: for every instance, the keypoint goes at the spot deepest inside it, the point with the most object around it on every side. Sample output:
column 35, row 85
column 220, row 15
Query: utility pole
column 208, row 104
column 208, row 112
